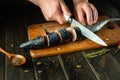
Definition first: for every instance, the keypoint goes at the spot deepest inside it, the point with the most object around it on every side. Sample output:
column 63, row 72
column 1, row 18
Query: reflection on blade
column 87, row 33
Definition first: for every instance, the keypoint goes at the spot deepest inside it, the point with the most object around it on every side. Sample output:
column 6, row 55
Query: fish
column 53, row 38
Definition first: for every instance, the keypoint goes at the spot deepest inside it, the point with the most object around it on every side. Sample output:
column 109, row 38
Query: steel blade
column 87, row 33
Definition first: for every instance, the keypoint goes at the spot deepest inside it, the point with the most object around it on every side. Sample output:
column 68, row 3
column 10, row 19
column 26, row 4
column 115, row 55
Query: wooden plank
column 110, row 36
column 12, row 25
column 117, row 56
column 115, row 53
column 78, row 68
column 20, row 34
column 10, row 70
column 106, row 67
column 49, row 68
column 2, row 56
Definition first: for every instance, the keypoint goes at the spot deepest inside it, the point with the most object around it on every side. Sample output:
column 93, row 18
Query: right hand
column 53, row 10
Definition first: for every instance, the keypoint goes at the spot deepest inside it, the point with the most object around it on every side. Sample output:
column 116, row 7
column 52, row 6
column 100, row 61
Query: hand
column 53, row 10
column 85, row 12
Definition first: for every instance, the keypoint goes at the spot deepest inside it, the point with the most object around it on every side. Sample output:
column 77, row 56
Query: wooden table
column 74, row 66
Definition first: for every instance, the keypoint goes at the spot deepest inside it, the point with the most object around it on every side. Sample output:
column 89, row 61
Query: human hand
column 85, row 12
column 53, row 10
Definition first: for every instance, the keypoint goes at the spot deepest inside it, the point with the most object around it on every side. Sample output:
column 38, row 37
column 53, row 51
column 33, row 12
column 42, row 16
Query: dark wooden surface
column 75, row 66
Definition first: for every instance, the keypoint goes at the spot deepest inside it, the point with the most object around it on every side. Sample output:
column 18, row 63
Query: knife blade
column 85, row 32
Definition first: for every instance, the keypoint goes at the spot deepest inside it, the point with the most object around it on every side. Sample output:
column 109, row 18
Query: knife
column 85, row 32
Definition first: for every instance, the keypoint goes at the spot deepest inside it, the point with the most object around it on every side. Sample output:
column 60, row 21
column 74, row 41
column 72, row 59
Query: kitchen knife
column 85, row 32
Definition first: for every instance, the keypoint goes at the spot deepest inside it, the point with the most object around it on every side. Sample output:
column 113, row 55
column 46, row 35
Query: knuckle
column 47, row 18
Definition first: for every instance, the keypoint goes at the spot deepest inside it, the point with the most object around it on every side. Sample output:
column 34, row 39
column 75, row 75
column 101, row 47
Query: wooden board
column 110, row 35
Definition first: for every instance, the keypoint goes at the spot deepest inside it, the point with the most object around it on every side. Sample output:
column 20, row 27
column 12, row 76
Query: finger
column 57, row 16
column 64, row 8
column 60, row 18
column 89, row 14
column 79, row 15
column 50, row 18
column 95, row 13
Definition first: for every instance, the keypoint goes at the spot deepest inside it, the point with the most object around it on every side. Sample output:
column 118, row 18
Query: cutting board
column 110, row 33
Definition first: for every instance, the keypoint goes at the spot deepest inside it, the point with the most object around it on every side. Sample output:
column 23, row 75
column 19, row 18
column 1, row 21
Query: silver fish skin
column 97, row 26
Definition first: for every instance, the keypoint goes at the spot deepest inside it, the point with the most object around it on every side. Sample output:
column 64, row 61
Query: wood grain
column 108, row 34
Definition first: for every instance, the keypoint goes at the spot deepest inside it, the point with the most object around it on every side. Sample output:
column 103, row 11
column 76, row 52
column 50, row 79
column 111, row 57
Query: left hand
column 85, row 13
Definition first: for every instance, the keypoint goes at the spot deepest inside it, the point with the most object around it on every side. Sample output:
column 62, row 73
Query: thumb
column 64, row 8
